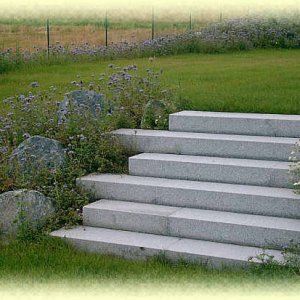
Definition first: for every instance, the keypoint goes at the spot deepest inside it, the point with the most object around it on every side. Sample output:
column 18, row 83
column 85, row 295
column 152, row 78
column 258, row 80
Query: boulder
column 15, row 206
column 155, row 115
column 35, row 154
column 80, row 101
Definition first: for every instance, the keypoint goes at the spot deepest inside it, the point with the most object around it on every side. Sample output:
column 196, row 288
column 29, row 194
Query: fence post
column 106, row 30
column 48, row 38
column 190, row 21
column 152, row 23
column 221, row 16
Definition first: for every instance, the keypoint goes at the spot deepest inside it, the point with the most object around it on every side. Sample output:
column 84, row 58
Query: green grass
column 50, row 260
column 257, row 81
column 262, row 81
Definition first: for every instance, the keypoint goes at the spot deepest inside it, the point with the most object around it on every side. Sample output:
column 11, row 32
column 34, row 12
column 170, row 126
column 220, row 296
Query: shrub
column 85, row 136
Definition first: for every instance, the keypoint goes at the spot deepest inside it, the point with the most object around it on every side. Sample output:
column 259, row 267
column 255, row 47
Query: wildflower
column 26, row 135
column 127, row 77
column 35, row 84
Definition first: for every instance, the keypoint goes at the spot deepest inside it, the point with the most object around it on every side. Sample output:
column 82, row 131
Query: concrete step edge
column 244, row 229
column 212, row 169
column 193, row 194
column 132, row 245
column 236, row 123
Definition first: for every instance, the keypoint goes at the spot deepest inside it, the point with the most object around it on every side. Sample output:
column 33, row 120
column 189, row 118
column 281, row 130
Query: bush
column 85, row 136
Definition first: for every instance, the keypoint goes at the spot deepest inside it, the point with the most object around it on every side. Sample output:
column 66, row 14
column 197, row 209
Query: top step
column 236, row 123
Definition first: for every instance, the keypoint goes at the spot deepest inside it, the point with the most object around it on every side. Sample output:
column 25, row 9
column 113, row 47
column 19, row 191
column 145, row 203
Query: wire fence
column 46, row 33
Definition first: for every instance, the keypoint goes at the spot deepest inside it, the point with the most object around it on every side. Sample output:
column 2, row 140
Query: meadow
column 238, row 66
column 263, row 81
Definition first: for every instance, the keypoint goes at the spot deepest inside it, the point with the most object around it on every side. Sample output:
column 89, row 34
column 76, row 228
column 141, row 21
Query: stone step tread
column 197, row 214
column 236, row 123
column 142, row 245
column 212, row 169
column 233, row 115
column 195, row 185
column 204, row 136
column 239, row 162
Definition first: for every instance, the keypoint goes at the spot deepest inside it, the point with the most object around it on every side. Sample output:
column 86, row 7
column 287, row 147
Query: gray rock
column 155, row 115
column 37, row 153
column 34, row 205
column 80, row 101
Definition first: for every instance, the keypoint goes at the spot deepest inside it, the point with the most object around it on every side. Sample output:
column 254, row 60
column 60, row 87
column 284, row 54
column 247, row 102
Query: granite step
column 248, row 199
column 214, row 169
column 215, row 226
column 206, row 144
column 236, row 123
column 141, row 246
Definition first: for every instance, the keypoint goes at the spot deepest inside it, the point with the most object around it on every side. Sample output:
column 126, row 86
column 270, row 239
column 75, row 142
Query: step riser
column 244, row 235
column 193, row 198
column 125, row 221
column 139, row 246
column 206, row 172
column 141, row 254
column 234, row 125
column 207, row 147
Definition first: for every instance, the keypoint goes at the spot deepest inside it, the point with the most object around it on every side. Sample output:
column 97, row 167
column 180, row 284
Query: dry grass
column 30, row 37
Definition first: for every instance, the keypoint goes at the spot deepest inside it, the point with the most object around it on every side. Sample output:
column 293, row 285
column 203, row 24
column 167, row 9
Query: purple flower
column 35, row 84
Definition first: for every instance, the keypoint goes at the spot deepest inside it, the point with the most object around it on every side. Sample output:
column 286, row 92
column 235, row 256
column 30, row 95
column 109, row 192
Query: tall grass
column 232, row 35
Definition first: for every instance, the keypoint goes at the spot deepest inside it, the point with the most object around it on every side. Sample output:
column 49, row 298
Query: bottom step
column 133, row 245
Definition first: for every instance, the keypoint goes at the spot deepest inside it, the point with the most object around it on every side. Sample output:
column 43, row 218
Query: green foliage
column 50, row 260
column 26, row 231
column 85, row 136
column 265, row 263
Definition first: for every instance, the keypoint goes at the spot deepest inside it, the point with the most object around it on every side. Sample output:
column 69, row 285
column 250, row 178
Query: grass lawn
column 256, row 81
column 263, row 81
column 51, row 260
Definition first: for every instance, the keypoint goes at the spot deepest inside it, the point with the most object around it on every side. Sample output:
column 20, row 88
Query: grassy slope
column 265, row 81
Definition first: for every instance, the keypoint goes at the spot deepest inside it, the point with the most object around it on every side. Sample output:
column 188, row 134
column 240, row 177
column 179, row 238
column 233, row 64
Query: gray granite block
column 194, row 194
column 234, row 228
column 236, row 123
column 224, row 227
column 206, row 144
column 132, row 216
column 214, row 169
column 140, row 246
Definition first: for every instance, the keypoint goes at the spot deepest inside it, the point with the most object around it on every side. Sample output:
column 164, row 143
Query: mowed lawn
column 263, row 81
column 23, row 265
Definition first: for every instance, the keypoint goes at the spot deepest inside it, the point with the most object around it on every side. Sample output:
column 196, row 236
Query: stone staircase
column 215, row 189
